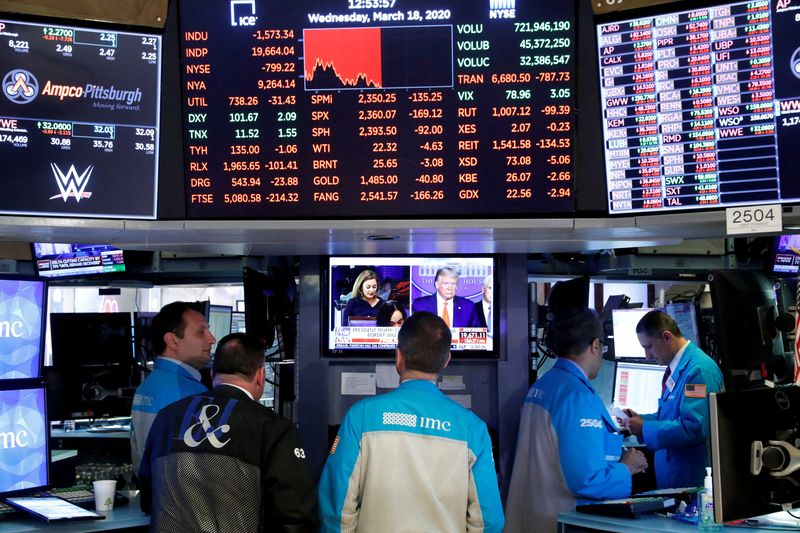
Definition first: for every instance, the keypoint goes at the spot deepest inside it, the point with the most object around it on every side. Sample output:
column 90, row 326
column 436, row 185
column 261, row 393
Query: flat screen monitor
column 143, row 343
column 91, row 339
column 749, row 475
column 22, row 312
column 270, row 302
column 79, row 121
column 626, row 342
column 685, row 315
column 637, row 386
column 24, row 436
column 786, row 257
column 313, row 109
column 569, row 294
column 357, row 327
column 749, row 345
column 219, row 321
column 238, row 322
column 55, row 260
column 700, row 106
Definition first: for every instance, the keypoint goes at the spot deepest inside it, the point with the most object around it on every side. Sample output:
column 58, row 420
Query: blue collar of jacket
column 419, row 385
column 570, row 366
column 164, row 364
column 688, row 354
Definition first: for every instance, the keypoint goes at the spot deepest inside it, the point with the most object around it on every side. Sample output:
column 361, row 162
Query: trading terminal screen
column 701, row 107
column 79, row 121
column 353, row 108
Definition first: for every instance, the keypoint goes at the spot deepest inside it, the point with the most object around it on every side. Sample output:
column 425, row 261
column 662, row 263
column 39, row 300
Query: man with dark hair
column 220, row 461
column 412, row 459
column 456, row 311
column 568, row 448
column 180, row 334
column 679, row 430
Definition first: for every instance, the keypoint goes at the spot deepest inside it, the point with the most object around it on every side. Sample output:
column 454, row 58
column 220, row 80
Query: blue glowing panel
column 23, row 440
column 21, row 326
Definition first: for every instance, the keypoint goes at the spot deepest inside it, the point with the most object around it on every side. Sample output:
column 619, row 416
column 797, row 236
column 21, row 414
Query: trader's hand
column 634, row 460
column 634, row 422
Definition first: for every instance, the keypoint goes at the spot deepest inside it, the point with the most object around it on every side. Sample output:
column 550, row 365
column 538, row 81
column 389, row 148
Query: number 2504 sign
column 754, row 219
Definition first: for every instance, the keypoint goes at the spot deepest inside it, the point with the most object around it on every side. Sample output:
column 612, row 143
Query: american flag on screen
column 797, row 335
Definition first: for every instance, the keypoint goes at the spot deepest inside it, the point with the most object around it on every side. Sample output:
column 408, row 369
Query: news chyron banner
column 23, row 446
column 21, row 328
column 79, row 118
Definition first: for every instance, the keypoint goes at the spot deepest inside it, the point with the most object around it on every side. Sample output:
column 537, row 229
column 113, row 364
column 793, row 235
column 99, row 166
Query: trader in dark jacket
column 219, row 461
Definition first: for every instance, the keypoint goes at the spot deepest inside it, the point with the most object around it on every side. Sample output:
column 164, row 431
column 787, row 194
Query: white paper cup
column 104, row 494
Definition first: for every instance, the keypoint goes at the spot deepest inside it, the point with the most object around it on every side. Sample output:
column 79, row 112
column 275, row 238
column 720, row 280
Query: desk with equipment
column 573, row 522
column 128, row 518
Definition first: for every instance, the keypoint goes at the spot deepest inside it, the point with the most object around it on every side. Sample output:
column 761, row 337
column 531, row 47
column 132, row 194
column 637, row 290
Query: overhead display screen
column 353, row 108
column 78, row 121
column 701, row 108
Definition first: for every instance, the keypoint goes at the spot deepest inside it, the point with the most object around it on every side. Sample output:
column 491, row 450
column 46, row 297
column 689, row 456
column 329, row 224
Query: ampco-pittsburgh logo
column 20, row 86
column 71, row 184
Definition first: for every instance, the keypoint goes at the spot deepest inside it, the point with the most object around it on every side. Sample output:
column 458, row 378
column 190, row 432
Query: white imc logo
column 209, row 432
column 71, row 184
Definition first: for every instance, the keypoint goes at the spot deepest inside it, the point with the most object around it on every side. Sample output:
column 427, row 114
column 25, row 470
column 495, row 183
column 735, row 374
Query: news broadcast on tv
column 368, row 302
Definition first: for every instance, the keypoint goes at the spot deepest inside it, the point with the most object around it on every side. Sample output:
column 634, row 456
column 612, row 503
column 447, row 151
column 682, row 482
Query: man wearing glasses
column 568, row 448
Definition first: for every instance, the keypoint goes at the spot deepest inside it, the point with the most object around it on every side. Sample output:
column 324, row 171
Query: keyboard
column 628, row 507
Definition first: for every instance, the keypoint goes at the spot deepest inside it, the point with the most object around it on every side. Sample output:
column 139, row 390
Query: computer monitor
column 749, row 346
column 143, row 343
column 685, row 315
column 24, row 437
column 219, row 321
column 637, row 386
column 569, row 294
column 626, row 343
column 91, row 339
column 238, row 322
column 753, row 434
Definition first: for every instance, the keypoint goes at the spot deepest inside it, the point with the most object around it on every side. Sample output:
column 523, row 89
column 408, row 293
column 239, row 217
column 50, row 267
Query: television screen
column 55, row 260
column 79, row 121
column 369, row 297
column 786, row 259
column 22, row 312
column 25, row 434
column 700, row 107
column 626, row 342
column 355, row 109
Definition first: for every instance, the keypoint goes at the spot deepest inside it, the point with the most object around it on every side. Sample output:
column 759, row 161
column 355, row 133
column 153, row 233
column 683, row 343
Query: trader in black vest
column 220, row 461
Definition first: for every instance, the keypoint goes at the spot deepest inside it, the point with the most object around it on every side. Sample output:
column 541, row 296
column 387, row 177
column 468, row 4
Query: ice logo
column 71, row 184
column 20, row 86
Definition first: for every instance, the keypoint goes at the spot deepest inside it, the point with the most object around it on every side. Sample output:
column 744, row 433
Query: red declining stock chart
column 353, row 55
column 377, row 58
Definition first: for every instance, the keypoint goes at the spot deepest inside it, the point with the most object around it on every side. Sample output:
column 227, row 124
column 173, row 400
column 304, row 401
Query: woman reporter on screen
column 392, row 314
column 364, row 299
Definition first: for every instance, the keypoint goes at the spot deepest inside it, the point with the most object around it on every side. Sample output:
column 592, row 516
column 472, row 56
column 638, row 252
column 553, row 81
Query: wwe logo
column 71, row 184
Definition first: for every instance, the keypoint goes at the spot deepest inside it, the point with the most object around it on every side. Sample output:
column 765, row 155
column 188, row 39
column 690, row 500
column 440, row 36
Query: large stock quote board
column 701, row 108
column 359, row 108
column 79, row 121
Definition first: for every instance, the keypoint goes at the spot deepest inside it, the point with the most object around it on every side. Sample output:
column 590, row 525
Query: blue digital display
column 21, row 326
column 23, row 440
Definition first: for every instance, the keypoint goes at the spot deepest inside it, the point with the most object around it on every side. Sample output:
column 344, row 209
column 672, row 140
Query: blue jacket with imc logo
column 410, row 460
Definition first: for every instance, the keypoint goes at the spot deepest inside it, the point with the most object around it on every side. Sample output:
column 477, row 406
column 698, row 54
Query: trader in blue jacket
column 412, row 460
column 568, row 449
column 678, row 431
